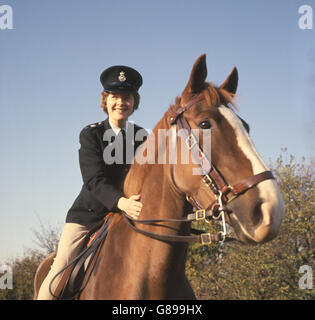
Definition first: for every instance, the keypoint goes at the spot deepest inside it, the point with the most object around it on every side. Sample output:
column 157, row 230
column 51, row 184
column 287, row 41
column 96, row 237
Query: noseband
column 213, row 179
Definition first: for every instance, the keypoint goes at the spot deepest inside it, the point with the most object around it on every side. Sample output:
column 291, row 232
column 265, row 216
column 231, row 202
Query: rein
column 213, row 179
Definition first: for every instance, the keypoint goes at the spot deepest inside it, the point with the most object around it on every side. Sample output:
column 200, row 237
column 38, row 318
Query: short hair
column 105, row 94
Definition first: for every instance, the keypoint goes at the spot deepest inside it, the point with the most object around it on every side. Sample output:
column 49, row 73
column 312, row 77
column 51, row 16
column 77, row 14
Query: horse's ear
column 198, row 76
column 230, row 84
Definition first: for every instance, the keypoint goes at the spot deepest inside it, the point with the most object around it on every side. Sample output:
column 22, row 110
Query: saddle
column 71, row 284
column 94, row 233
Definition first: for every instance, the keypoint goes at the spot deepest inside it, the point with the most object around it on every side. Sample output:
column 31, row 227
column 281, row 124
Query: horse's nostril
column 257, row 213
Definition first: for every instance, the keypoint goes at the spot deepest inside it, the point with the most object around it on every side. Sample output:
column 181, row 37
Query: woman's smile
column 119, row 107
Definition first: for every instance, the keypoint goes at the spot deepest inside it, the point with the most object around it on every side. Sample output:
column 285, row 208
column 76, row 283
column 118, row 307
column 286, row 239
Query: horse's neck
column 158, row 196
column 160, row 201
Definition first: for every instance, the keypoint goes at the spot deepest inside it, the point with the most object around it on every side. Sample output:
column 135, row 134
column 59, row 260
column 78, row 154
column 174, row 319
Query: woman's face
column 120, row 106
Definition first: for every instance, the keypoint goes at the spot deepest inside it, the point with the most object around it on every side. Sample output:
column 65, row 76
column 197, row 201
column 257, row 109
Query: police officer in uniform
column 106, row 149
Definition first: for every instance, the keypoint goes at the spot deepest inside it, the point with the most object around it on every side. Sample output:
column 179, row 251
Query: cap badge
column 122, row 76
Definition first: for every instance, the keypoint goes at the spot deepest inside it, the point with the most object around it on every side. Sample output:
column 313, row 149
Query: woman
column 104, row 155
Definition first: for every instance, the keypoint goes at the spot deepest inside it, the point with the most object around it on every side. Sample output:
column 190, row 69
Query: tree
column 47, row 237
column 24, row 269
column 23, row 276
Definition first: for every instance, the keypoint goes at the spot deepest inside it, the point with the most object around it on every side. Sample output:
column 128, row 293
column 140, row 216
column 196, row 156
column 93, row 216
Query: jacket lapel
column 109, row 134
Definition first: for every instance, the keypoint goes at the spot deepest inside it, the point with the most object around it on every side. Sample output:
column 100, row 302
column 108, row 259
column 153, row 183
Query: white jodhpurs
column 69, row 247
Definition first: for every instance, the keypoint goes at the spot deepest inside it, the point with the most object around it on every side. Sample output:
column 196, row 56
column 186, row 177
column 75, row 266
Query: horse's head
column 255, row 214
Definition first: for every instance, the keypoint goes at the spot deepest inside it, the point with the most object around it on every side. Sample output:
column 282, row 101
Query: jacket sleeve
column 95, row 172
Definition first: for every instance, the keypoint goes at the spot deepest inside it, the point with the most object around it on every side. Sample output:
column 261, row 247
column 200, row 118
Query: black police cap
column 118, row 79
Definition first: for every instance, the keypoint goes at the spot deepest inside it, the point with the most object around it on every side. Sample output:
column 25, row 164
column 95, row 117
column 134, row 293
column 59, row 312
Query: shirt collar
column 117, row 129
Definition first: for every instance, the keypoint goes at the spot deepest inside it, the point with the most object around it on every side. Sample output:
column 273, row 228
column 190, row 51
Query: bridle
column 212, row 178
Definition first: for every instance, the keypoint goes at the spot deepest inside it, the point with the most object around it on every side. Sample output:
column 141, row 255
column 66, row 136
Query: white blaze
column 272, row 206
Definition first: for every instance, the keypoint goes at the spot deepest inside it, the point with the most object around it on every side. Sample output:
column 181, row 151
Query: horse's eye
column 205, row 125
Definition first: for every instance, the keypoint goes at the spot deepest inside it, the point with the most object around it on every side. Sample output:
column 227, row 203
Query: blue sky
column 49, row 85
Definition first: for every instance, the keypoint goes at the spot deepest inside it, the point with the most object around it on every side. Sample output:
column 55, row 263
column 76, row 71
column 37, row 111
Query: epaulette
column 94, row 125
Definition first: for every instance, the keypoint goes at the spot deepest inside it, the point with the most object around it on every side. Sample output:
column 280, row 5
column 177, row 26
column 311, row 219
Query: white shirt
column 117, row 129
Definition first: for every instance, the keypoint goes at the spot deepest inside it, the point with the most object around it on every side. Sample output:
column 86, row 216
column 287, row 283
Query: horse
column 145, row 259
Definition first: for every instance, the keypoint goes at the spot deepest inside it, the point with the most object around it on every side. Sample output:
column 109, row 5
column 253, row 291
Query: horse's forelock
column 214, row 96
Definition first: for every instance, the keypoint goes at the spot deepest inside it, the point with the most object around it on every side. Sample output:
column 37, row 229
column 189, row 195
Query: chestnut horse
column 237, row 186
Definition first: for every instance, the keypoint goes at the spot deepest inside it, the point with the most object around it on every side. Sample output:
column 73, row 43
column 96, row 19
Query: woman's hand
column 131, row 206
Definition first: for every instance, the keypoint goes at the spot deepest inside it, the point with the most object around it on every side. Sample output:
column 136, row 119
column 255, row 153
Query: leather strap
column 181, row 110
column 215, row 180
column 200, row 214
column 78, row 262
column 203, row 238
column 250, row 182
column 197, row 154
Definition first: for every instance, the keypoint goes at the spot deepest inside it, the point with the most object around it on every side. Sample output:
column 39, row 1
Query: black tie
column 123, row 132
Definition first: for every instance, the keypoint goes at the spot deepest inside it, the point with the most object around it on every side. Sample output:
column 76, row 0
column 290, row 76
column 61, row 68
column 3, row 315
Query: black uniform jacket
column 102, row 182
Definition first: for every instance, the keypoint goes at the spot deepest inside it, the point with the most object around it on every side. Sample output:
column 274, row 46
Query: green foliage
column 270, row 270
column 24, row 268
column 23, row 277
